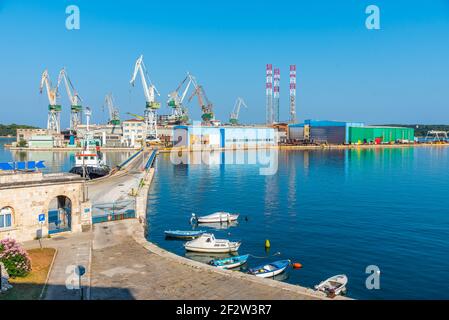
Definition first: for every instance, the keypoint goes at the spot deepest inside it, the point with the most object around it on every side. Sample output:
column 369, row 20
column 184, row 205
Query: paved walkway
column 72, row 250
column 124, row 269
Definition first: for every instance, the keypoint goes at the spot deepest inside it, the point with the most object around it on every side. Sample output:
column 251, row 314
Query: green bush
column 15, row 258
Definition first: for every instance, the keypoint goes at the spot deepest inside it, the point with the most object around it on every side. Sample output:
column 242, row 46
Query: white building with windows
column 134, row 132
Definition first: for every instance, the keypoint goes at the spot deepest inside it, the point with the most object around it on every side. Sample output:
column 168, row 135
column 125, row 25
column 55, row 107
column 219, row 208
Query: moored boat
column 230, row 262
column 207, row 243
column 90, row 164
column 180, row 234
column 270, row 269
column 215, row 217
column 334, row 285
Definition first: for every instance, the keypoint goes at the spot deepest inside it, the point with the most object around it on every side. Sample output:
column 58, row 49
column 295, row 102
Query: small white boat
column 215, row 217
column 334, row 285
column 207, row 243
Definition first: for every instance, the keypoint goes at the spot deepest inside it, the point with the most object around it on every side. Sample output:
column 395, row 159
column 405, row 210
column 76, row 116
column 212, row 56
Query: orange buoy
column 297, row 265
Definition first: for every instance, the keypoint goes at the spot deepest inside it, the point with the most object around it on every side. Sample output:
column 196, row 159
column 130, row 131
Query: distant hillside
column 422, row 129
column 10, row 129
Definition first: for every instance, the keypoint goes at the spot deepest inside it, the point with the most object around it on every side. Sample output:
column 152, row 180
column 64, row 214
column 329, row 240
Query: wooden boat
column 229, row 263
column 215, row 217
column 179, row 234
column 334, row 285
column 271, row 269
column 207, row 243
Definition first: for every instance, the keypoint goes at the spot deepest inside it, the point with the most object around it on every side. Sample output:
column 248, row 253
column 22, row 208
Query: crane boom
column 205, row 104
column 234, row 117
column 148, row 89
column 75, row 100
column 52, row 93
column 54, row 110
column 74, row 97
column 151, row 105
column 114, row 115
column 136, row 116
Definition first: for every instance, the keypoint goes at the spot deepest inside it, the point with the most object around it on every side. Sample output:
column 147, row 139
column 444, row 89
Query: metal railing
column 113, row 211
column 124, row 163
column 151, row 159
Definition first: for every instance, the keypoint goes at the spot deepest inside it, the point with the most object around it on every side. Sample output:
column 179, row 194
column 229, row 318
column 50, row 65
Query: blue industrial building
column 332, row 132
column 223, row 136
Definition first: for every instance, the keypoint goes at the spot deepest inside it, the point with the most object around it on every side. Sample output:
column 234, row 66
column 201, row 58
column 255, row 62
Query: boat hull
column 219, row 219
column 229, row 249
column 230, row 263
column 262, row 272
column 91, row 172
column 183, row 235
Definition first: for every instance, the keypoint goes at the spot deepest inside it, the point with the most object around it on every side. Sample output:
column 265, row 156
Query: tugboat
column 90, row 164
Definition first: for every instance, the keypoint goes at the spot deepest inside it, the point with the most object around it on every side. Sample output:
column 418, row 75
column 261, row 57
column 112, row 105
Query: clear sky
column 399, row 74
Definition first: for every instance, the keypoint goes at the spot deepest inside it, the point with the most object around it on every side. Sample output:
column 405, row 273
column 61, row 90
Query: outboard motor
column 193, row 219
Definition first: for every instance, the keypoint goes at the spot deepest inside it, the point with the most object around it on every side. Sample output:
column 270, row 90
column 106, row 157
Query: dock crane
column 54, row 109
column 234, row 117
column 151, row 105
column 205, row 104
column 114, row 115
column 75, row 100
column 136, row 116
column 175, row 100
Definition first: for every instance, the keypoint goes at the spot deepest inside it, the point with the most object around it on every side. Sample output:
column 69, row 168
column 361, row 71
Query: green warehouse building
column 371, row 134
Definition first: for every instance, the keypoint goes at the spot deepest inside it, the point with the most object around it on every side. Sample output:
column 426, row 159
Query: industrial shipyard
column 243, row 168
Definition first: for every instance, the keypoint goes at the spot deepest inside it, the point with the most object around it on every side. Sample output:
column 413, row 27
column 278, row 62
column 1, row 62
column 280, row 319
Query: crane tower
column 151, row 105
column 54, row 109
column 76, row 109
column 234, row 117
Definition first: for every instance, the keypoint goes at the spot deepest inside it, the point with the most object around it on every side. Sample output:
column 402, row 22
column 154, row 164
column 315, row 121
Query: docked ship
column 90, row 164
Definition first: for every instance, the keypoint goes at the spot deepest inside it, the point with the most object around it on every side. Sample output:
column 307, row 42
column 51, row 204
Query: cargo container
column 370, row 134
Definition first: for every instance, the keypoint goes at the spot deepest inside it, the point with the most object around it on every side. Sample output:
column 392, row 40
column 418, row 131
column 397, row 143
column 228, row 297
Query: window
column 91, row 158
column 5, row 217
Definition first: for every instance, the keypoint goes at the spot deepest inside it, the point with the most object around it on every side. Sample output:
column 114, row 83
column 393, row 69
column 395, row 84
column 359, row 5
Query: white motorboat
column 220, row 216
column 207, row 243
column 334, row 285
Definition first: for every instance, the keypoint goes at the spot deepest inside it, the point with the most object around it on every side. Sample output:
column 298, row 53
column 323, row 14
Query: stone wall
column 28, row 200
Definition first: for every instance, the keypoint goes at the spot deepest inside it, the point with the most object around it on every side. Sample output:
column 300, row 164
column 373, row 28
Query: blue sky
column 398, row 74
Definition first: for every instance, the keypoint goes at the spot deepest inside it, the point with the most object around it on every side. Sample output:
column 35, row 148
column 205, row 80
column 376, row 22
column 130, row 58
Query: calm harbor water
column 61, row 161
column 334, row 211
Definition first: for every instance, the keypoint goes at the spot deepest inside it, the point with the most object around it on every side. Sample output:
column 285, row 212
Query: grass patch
column 30, row 287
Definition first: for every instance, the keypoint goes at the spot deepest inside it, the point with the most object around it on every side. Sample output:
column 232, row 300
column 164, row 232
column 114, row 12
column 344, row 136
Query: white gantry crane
column 54, row 109
column 114, row 115
column 149, row 91
column 75, row 100
column 234, row 117
column 175, row 100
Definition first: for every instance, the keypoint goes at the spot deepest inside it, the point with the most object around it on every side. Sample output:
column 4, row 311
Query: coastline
column 279, row 147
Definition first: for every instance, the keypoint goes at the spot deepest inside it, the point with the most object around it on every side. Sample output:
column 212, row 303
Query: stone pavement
column 123, row 269
column 72, row 250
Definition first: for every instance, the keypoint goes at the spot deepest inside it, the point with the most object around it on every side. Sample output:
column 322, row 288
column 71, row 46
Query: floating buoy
column 267, row 244
column 296, row 265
